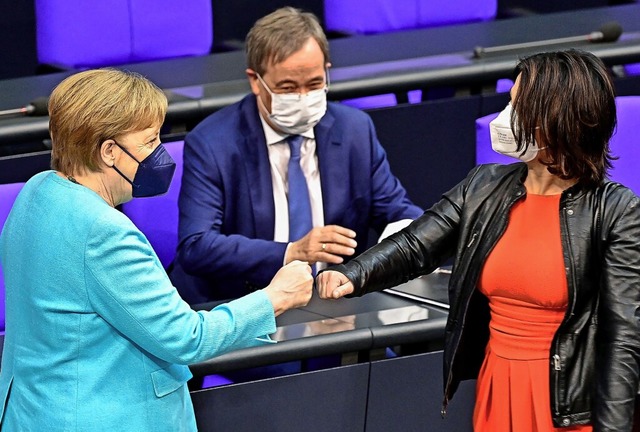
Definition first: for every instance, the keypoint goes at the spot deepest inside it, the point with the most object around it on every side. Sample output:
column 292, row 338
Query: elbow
column 189, row 256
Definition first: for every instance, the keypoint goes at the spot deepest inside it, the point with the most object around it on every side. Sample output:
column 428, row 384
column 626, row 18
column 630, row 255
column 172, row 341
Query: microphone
column 37, row 107
column 608, row 32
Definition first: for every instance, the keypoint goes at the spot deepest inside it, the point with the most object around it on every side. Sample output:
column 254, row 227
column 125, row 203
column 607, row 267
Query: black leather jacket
column 595, row 354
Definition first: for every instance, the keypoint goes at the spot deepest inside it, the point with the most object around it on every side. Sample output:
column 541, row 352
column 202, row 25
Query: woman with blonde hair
column 97, row 338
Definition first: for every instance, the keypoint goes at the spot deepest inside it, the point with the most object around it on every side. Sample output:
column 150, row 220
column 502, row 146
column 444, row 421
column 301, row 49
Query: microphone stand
column 479, row 52
column 609, row 32
column 15, row 112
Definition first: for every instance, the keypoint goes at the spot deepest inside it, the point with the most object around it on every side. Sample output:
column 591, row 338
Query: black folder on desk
column 431, row 289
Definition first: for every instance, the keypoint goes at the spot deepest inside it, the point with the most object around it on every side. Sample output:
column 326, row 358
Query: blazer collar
column 253, row 149
column 333, row 163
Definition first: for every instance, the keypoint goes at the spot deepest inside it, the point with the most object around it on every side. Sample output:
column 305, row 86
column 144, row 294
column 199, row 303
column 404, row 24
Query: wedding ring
column 324, row 246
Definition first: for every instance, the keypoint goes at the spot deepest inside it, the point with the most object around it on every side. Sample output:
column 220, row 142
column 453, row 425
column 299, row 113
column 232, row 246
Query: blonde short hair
column 273, row 38
column 90, row 107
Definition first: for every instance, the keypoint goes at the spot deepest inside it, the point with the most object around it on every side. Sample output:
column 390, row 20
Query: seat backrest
column 8, row 194
column 157, row 217
column 379, row 16
column 625, row 143
column 84, row 34
column 632, row 69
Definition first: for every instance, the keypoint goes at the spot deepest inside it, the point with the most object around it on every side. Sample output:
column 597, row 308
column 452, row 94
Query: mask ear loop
column 327, row 79
column 126, row 151
column 264, row 84
column 266, row 87
column 131, row 156
column 122, row 175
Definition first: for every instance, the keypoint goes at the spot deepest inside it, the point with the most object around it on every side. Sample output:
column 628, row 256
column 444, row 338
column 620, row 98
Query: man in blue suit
column 236, row 229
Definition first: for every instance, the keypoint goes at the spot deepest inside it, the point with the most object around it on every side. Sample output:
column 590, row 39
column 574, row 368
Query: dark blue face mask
column 154, row 173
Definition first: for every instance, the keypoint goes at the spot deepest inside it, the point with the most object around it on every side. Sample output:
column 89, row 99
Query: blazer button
column 570, row 212
column 565, row 422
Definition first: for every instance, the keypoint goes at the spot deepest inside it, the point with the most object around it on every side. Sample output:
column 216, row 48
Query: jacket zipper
column 558, row 368
column 572, row 295
column 556, row 362
column 473, row 240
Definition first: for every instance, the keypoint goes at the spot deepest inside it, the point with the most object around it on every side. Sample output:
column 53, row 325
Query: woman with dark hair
column 545, row 287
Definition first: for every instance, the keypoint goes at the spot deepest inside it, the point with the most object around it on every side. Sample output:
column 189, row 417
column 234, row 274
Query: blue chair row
column 82, row 34
column 380, row 16
column 383, row 16
column 85, row 34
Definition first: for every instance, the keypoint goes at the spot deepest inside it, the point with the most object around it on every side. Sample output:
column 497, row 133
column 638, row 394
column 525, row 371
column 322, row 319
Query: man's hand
column 325, row 244
column 333, row 285
column 291, row 287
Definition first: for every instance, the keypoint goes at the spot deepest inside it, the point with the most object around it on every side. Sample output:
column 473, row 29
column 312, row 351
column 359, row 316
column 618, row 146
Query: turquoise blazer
column 97, row 338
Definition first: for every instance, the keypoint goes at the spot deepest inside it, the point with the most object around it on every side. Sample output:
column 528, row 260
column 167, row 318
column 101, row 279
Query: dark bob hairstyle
column 566, row 101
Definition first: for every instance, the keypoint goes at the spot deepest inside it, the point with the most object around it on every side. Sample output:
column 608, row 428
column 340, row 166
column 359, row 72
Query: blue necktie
column 300, row 221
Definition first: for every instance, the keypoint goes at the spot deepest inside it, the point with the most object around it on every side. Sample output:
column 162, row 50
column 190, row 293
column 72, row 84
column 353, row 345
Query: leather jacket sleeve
column 414, row 251
column 618, row 339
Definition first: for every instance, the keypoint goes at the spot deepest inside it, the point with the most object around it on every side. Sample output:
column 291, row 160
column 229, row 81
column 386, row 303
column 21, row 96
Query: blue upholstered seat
column 8, row 194
column 85, row 34
column 625, row 143
column 632, row 69
column 382, row 16
column 379, row 16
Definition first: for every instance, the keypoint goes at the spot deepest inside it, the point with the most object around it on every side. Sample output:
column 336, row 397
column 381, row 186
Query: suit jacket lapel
column 258, row 171
column 333, row 164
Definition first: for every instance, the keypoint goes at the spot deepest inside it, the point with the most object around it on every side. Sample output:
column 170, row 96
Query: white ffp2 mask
column 503, row 140
column 295, row 113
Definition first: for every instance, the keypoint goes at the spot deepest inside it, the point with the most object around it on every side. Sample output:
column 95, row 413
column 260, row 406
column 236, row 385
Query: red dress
column 525, row 282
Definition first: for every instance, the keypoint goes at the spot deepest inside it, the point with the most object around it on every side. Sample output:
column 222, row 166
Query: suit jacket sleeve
column 205, row 248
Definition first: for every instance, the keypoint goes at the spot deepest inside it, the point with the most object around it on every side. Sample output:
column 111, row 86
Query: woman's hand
column 333, row 285
column 291, row 287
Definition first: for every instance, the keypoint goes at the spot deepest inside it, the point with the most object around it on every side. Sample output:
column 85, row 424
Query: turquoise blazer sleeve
column 128, row 288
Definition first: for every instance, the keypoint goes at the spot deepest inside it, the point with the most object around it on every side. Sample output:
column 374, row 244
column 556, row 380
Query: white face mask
column 295, row 113
column 503, row 140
